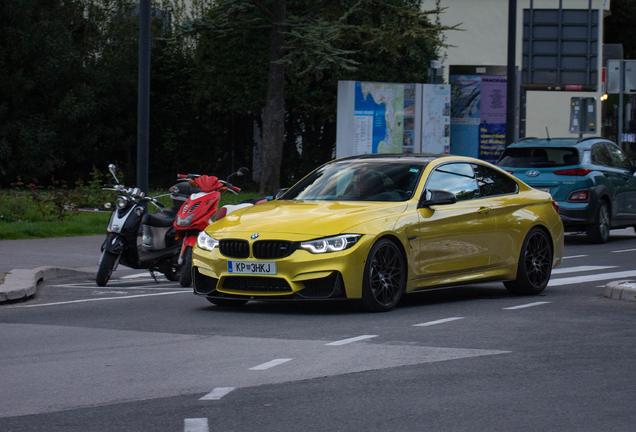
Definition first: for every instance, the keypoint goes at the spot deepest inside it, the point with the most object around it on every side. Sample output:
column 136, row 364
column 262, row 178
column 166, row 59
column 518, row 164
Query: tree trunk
column 274, row 114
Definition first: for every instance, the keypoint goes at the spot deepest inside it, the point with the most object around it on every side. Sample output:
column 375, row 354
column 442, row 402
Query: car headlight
column 331, row 244
column 205, row 242
column 185, row 221
column 121, row 202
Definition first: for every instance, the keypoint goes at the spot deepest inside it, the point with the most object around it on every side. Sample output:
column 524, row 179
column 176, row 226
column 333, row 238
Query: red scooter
column 197, row 212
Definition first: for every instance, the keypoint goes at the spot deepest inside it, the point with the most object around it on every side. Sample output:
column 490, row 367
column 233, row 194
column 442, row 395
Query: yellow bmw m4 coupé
column 375, row 227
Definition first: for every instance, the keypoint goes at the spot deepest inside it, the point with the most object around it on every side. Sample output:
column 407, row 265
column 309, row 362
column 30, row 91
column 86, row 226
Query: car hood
column 314, row 218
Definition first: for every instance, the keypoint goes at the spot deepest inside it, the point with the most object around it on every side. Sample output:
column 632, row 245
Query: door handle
column 484, row 210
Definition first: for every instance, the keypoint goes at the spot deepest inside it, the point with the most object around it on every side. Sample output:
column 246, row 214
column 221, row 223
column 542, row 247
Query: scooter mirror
column 113, row 169
column 243, row 171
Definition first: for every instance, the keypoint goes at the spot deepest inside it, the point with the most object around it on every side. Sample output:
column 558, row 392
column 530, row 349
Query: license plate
column 251, row 267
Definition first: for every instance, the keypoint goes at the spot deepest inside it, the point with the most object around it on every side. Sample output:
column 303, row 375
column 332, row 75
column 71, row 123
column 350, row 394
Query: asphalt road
column 144, row 356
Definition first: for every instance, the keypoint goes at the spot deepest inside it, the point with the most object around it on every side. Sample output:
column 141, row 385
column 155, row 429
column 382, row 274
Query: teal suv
column 591, row 179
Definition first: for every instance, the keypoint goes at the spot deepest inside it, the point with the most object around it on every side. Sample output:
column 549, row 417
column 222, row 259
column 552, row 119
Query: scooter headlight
column 121, row 202
column 206, row 242
column 185, row 221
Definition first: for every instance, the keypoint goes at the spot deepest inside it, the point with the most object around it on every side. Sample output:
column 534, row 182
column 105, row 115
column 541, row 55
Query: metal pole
column 143, row 103
column 619, row 139
column 511, row 74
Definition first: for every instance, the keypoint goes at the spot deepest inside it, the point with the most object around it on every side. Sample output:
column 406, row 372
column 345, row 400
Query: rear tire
column 106, row 267
column 535, row 265
column 599, row 231
column 172, row 272
column 227, row 302
column 186, row 268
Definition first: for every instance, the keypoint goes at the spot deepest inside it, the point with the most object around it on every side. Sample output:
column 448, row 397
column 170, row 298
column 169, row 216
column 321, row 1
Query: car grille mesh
column 256, row 284
column 267, row 249
column 234, row 248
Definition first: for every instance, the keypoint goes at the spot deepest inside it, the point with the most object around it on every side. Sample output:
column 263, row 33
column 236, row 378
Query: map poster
column 492, row 128
column 436, row 118
column 379, row 114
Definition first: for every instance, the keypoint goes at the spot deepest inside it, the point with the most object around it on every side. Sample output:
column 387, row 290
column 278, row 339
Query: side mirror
column 280, row 193
column 113, row 170
column 437, row 197
column 243, row 171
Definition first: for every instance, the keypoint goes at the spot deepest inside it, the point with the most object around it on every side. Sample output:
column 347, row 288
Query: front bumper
column 301, row 275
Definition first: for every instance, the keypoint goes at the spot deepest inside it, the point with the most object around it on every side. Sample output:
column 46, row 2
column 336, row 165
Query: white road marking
column 137, row 275
column 525, row 305
column 624, row 250
column 441, row 321
column 350, row 340
column 196, row 425
column 580, row 269
column 592, row 278
column 575, row 256
column 217, row 393
column 98, row 299
column 270, row 364
column 147, row 288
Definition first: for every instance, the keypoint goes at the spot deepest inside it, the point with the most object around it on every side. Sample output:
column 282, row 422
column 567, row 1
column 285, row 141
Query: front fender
column 114, row 243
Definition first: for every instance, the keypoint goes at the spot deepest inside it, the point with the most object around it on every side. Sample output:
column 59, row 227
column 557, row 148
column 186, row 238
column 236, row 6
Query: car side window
column 492, row 182
column 457, row 178
column 601, row 156
column 620, row 159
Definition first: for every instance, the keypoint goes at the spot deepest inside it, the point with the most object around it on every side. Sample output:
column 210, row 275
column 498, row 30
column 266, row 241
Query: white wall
column 484, row 41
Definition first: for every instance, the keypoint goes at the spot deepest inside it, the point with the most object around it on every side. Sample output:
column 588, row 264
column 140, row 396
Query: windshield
column 360, row 180
column 537, row 157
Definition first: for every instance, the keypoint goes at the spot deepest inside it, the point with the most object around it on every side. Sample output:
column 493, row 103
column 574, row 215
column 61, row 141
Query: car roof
column 584, row 143
column 406, row 157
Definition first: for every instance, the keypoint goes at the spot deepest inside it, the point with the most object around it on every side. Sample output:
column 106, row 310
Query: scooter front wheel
column 106, row 267
column 186, row 269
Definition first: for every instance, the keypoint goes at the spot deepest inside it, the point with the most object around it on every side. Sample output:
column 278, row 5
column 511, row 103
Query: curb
column 21, row 283
column 621, row 290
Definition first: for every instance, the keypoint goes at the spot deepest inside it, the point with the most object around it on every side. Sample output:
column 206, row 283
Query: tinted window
column 457, row 178
column 493, row 182
column 537, row 157
column 600, row 155
column 360, row 180
column 620, row 159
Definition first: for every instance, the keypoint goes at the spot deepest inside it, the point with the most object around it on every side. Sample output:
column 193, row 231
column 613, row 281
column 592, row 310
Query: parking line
column 591, row 278
column 350, row 340
column 525, row 305
column 580, row 269
column 270, row 364
column 97, row 299
column 575, row 256
column 196, row 425
column 441, row 321
column 624, row 250
column 217, row 393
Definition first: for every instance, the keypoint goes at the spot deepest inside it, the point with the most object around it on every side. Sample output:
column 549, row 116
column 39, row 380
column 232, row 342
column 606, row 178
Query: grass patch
column 30, row 224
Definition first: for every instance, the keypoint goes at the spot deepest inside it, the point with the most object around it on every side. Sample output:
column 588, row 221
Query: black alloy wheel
column 384, row 277
column 535, row 265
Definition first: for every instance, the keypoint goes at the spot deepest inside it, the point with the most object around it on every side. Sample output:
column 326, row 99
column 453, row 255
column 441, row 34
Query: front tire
column 599, row 231
column 535, row 265
column 384, row 277
column 106, row 267
column 172, row 272
column 186, row 268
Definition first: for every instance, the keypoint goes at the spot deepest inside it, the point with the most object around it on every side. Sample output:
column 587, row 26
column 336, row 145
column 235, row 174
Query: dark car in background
column 591, row 179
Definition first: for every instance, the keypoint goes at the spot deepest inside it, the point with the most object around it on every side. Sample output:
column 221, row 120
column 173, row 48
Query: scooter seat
column 163, row 218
